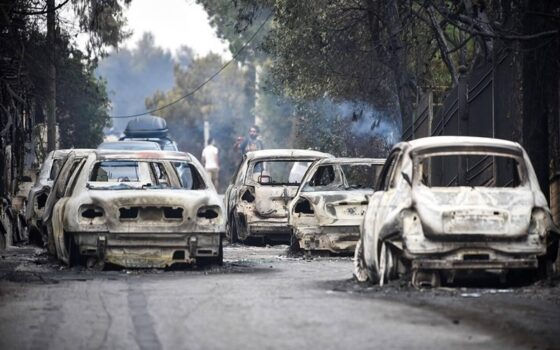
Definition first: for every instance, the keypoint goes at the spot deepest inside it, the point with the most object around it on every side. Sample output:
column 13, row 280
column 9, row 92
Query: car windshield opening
column 343, row 177
column 278, row 172
column 127, row 174
column 467, row 169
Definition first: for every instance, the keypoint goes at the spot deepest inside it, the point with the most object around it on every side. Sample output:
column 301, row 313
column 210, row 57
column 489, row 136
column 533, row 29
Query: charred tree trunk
column 540, row 90
column 394, row 54
column 51, row 80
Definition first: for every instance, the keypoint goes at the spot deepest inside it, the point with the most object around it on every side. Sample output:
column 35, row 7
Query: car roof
column 344, row 160
column 104, row 154
column 286, row 153
column 130, row 145
column 62, row 153
column 426, row 143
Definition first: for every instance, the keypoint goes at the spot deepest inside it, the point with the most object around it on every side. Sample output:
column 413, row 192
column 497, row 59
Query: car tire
column 220, row 258
column 75, row 258
column 51, row 247
column 232, row 225
column 388, row 263
column 360, row 268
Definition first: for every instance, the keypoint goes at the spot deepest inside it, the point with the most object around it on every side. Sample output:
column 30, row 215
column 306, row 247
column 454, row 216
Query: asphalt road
column 260, row 299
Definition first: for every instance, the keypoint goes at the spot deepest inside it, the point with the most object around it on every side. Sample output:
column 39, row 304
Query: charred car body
column 329, row 206
column 446, row 205
column 38, row 194
column 262, row 187
column 137, row 209
column 38, row 198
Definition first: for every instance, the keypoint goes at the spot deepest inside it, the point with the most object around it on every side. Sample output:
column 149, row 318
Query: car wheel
column 232, row 225
column 74, row 255
column 220, row 258
column 388, row 263
column 51, row 248
column 360, row 269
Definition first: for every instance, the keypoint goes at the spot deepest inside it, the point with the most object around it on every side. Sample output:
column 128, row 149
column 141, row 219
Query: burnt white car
column 264, row 184
column 38, row 194
column 138, row 209
column 329, row 206
column 38, row 198
column 447, row 205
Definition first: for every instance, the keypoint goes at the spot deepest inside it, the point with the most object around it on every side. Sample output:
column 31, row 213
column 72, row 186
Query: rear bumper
column 506, row 264
column 146, row 250
column 335, row 239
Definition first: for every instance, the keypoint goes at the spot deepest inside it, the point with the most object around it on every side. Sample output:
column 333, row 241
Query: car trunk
column 474, row 211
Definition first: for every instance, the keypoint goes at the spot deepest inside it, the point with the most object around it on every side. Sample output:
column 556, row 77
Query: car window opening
column 470, row 170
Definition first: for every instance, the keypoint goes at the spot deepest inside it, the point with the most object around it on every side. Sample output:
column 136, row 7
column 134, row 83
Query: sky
column 174, row 23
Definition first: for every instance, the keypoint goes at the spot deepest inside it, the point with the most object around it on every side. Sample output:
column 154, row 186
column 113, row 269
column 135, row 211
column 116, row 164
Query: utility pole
column 51, row 90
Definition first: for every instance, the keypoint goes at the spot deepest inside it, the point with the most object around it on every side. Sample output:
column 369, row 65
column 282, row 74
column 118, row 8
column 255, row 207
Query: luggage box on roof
column 146, row 127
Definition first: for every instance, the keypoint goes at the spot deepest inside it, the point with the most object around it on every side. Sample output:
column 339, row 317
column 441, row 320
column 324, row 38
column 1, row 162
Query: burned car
column 450, row 205
column 39, row 193
column 37, row 197
column 264, row 184
column 329, row 206
column 138, row 209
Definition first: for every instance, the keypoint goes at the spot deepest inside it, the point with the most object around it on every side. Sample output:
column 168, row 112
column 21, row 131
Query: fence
column 487, row 103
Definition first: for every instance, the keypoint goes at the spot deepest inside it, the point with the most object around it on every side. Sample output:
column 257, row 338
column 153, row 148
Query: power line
column 204, row 82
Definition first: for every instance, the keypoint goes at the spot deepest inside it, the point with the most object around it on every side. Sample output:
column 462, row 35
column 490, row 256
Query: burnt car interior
column 347, row 177
column 146, row 174
column 188, row 175
column 279, row 172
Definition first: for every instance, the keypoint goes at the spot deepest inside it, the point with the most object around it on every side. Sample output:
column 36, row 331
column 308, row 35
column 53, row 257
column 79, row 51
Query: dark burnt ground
column 527, row 315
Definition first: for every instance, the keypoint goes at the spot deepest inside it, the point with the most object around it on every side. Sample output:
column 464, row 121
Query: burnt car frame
column 61, row 169
column 329, row 206
column 138, row 209
column 418, row 225
column 257, row 199
column 38, row 194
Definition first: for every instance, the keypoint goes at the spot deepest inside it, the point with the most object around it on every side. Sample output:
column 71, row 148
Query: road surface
column 262, row 298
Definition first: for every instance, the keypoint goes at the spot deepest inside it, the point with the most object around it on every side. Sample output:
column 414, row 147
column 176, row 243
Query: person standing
column 211, row 161
column 253, row 142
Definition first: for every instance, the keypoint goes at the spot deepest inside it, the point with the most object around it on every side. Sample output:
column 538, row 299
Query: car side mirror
column 264, row 179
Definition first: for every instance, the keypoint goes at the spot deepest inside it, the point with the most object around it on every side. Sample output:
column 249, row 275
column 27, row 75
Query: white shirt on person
column 210, row 157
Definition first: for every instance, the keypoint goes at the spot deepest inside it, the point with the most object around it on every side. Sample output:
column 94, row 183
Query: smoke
column 371, row 122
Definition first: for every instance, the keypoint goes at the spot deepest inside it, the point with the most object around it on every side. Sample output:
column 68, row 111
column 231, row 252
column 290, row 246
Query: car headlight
column 91, row 213
column 209, row 212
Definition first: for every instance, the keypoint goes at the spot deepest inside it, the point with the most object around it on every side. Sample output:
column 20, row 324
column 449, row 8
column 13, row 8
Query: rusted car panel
column 330, row 203
column 139, row 209
column 417, row 223
column 264, row 184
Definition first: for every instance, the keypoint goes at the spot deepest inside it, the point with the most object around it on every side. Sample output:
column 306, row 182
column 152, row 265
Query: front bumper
column 335, row 239
column 148, row 250
column 268, row 229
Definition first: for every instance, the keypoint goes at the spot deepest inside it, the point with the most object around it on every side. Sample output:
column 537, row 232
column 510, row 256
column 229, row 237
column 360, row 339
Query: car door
column 381, row 203
column 60, row 206
column 232, row 191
